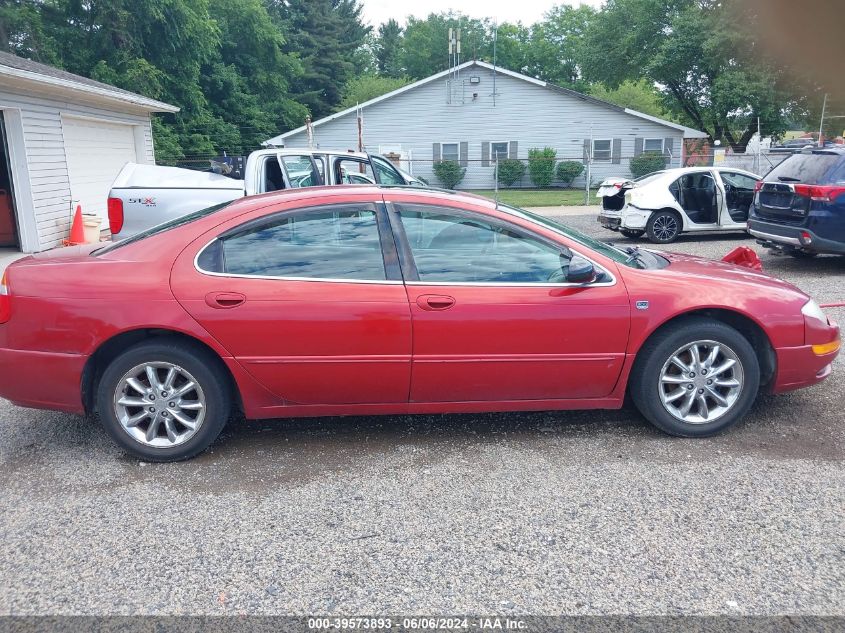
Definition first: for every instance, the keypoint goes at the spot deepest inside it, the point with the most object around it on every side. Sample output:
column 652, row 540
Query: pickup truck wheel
column 801, row 254
column 632, row 233
column 663, row 227
column 695, row 378
column 163, row 400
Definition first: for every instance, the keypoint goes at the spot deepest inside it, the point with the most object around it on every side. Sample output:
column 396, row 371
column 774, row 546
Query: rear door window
column 339, row 242
column 811, row 169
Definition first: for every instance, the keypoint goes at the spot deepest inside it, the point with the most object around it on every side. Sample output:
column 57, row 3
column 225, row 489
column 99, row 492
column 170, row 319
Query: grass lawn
column 539, row 197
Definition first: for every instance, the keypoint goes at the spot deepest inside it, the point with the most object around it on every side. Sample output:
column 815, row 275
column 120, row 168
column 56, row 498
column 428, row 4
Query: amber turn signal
column 826, row 348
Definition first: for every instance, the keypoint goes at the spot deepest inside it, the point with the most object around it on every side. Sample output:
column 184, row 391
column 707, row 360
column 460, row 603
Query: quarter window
column 602, row 149
column 456, row 248
column 449, row 151
column 335, row 243
column 653, row 145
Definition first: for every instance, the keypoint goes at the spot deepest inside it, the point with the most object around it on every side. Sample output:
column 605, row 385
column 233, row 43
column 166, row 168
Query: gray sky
column 527, row 11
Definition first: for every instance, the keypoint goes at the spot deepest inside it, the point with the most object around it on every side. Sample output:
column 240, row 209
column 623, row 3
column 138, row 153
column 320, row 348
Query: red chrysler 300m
column 365, row 300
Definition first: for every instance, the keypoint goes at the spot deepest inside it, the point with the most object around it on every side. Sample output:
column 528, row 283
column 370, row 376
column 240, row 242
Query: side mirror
column 581, row 271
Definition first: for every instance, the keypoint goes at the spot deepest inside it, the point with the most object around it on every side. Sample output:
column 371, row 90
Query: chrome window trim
column 335, row 280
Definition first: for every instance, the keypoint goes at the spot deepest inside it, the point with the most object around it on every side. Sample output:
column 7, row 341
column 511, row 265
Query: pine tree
column 325, row 34
column 389, row 49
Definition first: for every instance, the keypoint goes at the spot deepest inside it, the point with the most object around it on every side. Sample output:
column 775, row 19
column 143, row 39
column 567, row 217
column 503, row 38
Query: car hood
column 701, row 267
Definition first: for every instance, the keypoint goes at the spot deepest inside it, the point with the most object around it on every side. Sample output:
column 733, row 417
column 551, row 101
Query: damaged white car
column 667, row 203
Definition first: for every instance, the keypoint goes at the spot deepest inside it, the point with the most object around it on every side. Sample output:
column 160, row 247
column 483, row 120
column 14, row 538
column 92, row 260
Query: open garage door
column 96, row 151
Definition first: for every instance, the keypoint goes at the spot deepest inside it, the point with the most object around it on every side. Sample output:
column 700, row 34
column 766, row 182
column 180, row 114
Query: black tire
column 632, row 233
column 801, row 254
column 664, row 227
column 205, row 368
column 645, row 383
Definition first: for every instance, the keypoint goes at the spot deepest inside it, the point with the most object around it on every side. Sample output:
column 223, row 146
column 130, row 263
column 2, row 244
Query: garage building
column 64, row 139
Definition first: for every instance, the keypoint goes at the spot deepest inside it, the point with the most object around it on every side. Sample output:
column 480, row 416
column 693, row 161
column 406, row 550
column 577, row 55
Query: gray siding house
column 477, row 113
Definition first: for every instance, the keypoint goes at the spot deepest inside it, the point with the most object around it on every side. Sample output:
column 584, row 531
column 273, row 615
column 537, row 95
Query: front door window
column 462, row 249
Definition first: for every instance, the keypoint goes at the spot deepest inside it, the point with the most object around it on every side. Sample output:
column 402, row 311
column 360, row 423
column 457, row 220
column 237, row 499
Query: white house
column 477, row 113
column 64, row 139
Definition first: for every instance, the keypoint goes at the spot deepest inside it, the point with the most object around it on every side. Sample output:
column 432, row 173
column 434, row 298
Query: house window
column 449, row 151
column 602, row 150
column 498, row 151
column 653, row 145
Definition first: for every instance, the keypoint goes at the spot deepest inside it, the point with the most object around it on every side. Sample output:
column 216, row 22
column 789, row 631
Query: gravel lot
column 552, row 513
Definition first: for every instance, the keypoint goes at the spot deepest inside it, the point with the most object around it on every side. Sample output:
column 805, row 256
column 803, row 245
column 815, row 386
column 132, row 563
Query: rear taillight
column 115, row 215
column 5, row 300
column 819, row 193
column 758, row 186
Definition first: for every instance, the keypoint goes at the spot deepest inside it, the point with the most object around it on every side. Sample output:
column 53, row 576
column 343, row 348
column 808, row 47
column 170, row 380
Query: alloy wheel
column 701, row 382
column 665, row 227
column 159, row 404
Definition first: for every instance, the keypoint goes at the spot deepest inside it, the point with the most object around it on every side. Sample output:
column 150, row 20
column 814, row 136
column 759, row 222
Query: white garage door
column 96, row 151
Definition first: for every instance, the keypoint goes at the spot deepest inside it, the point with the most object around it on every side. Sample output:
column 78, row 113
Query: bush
column 569, row 170
column 647, row 163
column 449, row 172
column 541, row 165
column 510, row 171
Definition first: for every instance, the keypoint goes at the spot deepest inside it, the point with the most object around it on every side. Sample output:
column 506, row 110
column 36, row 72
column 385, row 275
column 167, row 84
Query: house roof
column 687, row 131
column 14, row 67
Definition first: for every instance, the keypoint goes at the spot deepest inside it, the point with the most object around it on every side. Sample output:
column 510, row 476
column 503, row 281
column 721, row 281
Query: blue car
column 799, row 206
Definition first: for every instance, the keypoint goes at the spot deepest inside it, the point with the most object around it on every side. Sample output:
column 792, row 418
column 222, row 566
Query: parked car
column 667, row 203
column 145, row 195
column 368, row 300
column 799, row 207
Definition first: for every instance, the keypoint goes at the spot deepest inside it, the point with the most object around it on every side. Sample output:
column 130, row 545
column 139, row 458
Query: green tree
column 388, row 49
column 326, row 35
column 701, row 54
column 366, row 87
column 425, row 44
column 556, row 45
column 637, row 95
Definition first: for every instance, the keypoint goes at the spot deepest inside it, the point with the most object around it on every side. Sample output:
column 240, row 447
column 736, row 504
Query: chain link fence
column 574, row 171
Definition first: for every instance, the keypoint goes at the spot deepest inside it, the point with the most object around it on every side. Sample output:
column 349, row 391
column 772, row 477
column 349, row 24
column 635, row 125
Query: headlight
column 811, row 309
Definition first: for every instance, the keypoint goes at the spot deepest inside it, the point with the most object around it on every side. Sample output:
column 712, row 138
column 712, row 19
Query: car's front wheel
column 164, row 400
column 695, row 378
column 663, row 227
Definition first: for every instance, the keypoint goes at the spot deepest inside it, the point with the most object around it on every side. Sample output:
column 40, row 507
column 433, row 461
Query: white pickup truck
column 143, row 196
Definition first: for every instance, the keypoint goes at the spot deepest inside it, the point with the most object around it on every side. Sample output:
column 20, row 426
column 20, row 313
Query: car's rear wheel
column 695, row 378
column 664, row 227
column 164, row 400
column 632, row 233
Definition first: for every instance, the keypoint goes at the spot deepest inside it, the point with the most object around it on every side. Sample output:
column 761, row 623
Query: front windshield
column 164, row 226
column 605, row 249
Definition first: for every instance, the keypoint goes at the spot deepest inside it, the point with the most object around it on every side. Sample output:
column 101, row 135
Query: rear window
column 811, row 169
column 160, row 228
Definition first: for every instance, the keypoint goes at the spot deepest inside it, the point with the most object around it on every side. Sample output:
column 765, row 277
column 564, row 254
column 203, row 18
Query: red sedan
column 366, row 300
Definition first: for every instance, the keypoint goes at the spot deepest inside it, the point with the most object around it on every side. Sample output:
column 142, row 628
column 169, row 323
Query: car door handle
column 224, row 300
column 435, row 302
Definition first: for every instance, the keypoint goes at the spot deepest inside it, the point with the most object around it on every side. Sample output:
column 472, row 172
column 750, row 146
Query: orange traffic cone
column 77, row 231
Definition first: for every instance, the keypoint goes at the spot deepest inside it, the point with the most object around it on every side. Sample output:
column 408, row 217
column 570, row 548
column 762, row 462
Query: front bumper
column 42, row 380
column 781, row 236
column 800, row 366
